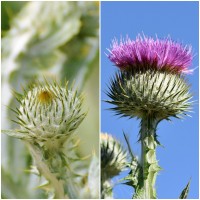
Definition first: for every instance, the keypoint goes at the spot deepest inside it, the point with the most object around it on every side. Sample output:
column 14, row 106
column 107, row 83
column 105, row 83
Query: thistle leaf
column 139, row 194
column 135, row 176
column 15, row 133
column 185, row 191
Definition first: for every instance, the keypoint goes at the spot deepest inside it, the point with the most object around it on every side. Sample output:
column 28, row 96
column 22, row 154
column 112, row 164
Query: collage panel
column 149, row 92
column 50, row 100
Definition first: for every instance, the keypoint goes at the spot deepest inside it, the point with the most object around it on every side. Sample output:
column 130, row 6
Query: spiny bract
column 49, row 112
column 149, row 93
column 113, row 157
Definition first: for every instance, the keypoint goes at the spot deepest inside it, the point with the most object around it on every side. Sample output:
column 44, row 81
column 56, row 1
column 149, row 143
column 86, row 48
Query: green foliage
column 134, row 178
column 8, row 10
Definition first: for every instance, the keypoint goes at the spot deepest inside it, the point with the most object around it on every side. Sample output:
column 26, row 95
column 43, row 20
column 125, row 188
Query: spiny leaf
column 15, row 133
column 185, row 191
column 135, row 175
column 139, row 194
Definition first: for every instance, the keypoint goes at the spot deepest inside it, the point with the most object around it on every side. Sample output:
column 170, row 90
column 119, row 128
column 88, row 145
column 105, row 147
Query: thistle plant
column 48, row 115
column 150, row 86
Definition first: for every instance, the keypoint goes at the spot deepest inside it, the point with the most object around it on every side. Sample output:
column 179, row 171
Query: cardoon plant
column 150, row 86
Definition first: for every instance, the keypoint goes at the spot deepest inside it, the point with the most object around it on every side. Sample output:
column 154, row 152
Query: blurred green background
column 56, row 40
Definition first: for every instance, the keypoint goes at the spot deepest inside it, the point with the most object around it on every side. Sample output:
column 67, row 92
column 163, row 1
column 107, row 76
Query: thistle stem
column 149, row 163
column 45, row 168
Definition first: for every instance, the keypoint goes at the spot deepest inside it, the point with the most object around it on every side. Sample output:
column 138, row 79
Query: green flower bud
column 49, row 113
column 154, row 93
column 113, row 157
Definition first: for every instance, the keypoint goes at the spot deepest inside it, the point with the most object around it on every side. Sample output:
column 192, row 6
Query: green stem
column 51, row 168
column 149, row 163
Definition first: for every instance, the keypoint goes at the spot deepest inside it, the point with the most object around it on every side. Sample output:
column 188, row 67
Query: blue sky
column 179, row 157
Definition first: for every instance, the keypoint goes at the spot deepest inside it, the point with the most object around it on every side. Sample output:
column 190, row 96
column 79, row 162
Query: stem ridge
column 150, row 167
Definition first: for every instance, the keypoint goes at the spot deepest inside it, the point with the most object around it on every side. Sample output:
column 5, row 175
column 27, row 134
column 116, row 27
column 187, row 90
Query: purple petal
column 145, row 52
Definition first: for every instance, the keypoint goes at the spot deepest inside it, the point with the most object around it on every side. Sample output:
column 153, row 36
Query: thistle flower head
column 113, row 156
column 146, row 53
column 150, row 81
column 49, row 112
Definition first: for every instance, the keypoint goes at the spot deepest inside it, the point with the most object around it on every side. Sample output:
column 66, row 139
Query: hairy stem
column 149, row 163
column 46, row 168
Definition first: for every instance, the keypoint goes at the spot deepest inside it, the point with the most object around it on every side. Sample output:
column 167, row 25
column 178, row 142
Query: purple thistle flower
column 147, row 53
